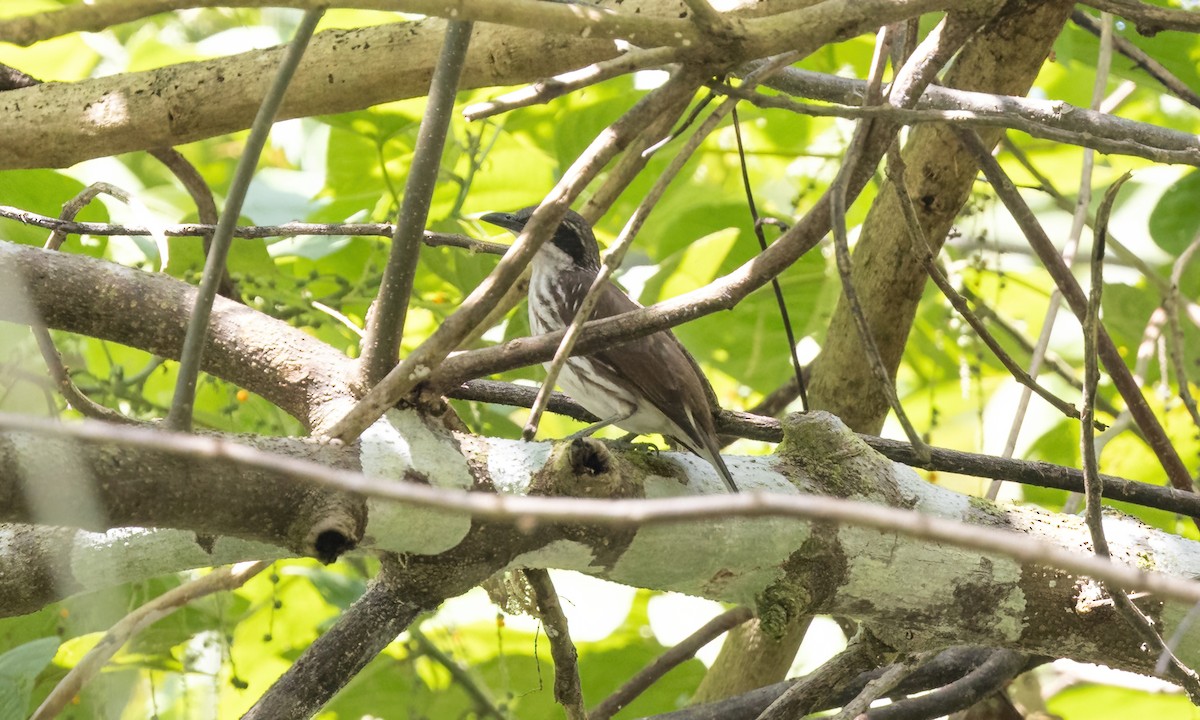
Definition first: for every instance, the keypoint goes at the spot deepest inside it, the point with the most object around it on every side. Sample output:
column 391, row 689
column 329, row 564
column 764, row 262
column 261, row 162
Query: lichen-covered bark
column 918, row 595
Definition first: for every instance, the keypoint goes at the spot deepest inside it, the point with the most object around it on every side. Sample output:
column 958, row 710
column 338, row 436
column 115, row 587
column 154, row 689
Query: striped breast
column 554, row 298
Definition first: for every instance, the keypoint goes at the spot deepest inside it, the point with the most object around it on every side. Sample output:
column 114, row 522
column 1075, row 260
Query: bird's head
column 573, row 241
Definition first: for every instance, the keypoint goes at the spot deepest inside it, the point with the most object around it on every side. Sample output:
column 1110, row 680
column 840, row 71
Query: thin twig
column 385, row 324
column 632, row 161
column 879, row 687
column 1176, row 342
column 672, row 658
column 1067, row 205
column 420, row 363
column 1045, row 119
column 1093, row 490
column 990, row 676
column 72, row 227
column 206, row 205
column 765, row 429
column 1103, row 63
column 72, row 207
column 841, row 243
column 1055, row 363
column 895, row 171
column 544, row 91
column 1148, row 18
column 759, row 233
column 567, row 689
column 1143, row 415
column 227, row 578
column 1141, row 59
column 862, row 654
column 474, row 687
column 41, row 334
column 180, row 416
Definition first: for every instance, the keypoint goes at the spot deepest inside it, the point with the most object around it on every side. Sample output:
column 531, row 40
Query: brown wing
column 662, row 370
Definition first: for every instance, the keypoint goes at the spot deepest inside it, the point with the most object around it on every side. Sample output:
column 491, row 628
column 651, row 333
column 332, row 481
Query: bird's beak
column 508, row 221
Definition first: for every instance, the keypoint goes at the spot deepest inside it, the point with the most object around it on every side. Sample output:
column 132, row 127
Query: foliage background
column 215, row 657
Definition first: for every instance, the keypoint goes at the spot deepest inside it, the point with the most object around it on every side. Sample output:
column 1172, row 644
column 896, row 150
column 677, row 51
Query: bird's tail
column 712, row 453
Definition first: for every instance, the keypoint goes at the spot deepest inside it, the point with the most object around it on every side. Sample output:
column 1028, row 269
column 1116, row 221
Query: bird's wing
column 652, row 365
column 662, row 370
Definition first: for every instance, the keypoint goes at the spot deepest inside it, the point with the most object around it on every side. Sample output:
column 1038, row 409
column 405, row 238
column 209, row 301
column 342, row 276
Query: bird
column 644, row 386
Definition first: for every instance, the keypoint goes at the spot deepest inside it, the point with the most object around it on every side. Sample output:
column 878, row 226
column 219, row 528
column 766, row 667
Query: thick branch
column 352, row 69
column 303, row 376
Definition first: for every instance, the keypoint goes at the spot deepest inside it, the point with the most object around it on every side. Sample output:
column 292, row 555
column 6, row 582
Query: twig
column 1176, row 342
column 41, row 334
column 432, row 239
column 895, row 171
column 206, row 205
column 1065, row 204
column 1055, row 363
column 546, row 90
column 879, row 687
column 420, row 363
column 1046, row 119
column 1093, row 510
column 838, row 191
column 764, row 429
column 632, row 162
column 669, row 660
column 803, row 697
column 1141, row 59
column 1149, row 19
column 1142, row 413
column 72, row 207
column 1093, row 490
column 385, row 325
column 484, row 701
column 530, row 511
column 66, row 387
column 567, row 689
column 180, row 416
column 784, row 318
column 1079, row 217
column 227, row 578
column 990, row 676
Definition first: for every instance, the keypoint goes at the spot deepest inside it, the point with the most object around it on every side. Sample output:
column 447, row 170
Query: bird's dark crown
column 573, row 236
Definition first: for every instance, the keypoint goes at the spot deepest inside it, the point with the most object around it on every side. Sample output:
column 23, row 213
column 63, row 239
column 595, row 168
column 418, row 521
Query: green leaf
column 42, row 192
column 19, row 668
column 1174, row 222
column 1100, row 702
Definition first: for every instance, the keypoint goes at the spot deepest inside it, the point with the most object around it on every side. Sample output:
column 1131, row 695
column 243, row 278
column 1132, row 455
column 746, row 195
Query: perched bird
column 648, row 385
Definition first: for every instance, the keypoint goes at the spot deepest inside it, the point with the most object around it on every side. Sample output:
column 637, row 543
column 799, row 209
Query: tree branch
column 385, row 323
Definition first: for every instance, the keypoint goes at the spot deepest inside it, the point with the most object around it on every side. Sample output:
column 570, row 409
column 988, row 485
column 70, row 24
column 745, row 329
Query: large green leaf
column 1174, row 222
column 18, row 668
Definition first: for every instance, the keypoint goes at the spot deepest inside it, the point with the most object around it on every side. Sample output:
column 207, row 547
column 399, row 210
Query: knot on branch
column 586, row 468
column 835, row 461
